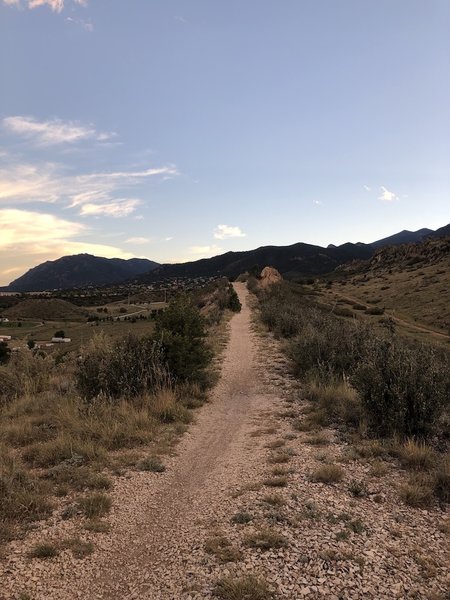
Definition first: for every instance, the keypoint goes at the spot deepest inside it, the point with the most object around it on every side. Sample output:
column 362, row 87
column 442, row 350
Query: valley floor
column 237, row 500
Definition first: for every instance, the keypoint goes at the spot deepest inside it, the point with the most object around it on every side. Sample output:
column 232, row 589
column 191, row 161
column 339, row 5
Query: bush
column 124, row 369
column 403, row 387
column 181, row 333
column 5, row 353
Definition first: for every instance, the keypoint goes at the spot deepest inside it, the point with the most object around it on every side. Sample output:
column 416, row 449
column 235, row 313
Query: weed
column 417, row 492
column 265, row 539
column 318, row 439
column 97, row 526
column 274, row 500
column 78, row 547
column 341, row 536
column 247, row 587
column 378, row 469
column 220, row 547
column 151, row 463
column 327, row 474
column 276, row 482
column 95, row 505
column 416, row 455
column 43, row 551
column 358, row 488
column 242, row 518
column 276, row 444
column 357, row 526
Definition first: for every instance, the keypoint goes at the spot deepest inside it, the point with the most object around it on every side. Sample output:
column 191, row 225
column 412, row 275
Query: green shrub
column 181, row 333
column 126, row 368
column 403, row 386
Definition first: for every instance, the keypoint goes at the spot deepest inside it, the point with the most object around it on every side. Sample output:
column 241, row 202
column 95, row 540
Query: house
column 4, row 320
column 61, row 340
column 5, row 338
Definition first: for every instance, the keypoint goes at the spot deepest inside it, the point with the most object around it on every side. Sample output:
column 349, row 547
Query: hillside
column 412, row 280
column 297, row 260
column 80, row 270
column 404, row 237
column 45, row 309
column 293, row 262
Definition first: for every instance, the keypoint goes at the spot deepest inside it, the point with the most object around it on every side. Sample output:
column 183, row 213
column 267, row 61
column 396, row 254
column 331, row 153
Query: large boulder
column 269, row 276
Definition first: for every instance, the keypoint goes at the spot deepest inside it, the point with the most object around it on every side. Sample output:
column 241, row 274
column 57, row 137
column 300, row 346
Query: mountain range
column 294, row 261
column 80, row 270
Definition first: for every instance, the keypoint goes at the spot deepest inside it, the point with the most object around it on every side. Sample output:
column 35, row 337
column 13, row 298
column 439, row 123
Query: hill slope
column 50, row 309
column 297, row 260
column 80, row 270
column 411, row 280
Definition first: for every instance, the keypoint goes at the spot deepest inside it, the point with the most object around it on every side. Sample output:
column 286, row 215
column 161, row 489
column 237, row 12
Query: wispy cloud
column 138, row 240
column 205, row 251
column 387, row 195
column 95, row 193
column 54, row 5
column 86, row 25
column 367, row 188
column 114, row 208
column 317, row 202
column 54, row 131
column 223, row 232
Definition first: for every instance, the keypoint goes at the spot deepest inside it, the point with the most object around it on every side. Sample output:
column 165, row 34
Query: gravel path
column 335, row 546
column 159, row 522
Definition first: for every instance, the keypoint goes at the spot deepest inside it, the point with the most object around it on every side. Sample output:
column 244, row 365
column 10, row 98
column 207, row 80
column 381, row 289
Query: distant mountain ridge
column 80, row 270
column 295, row 261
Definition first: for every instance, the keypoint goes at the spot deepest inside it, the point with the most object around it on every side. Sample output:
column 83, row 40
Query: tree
column 181, row 331
column 60, row 334
column 31, row 344
column 5, row 353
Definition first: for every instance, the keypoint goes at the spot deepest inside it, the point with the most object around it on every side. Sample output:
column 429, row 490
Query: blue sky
column 186, row 128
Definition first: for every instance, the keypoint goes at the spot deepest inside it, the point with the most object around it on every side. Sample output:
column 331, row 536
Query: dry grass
column 327, row 473
column 151, row 463
column 418, row 492
column 379, row 469
column 276, row 444
column 247, row 587
column 274, row 500
column 416, row 455
column 276, row 481
column 318, row 439
column 335, row 401
column 78, row 547
column 95, row 506
column 44, row 550
column 220, row 547
column 265, row 539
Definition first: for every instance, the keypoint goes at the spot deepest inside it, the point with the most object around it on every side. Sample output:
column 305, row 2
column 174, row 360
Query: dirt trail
column 159, row 521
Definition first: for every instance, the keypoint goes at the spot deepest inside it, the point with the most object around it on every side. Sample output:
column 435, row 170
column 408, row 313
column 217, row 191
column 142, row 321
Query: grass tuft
column 327, row 474
column 247, row 587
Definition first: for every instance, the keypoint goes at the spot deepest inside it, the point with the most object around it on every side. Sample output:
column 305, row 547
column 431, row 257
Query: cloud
column 367, row 188
column 223, row 232
column 54, row 131
column 54, row 5
column 386, row 195
column 114, row 208
column 318, row 202
column 86, row 25
column 205, row 251
column 168, row 239
column 138, row 240
column 29, row 238
column 93, row 193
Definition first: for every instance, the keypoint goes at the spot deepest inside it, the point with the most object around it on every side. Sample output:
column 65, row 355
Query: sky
column 181, row 129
